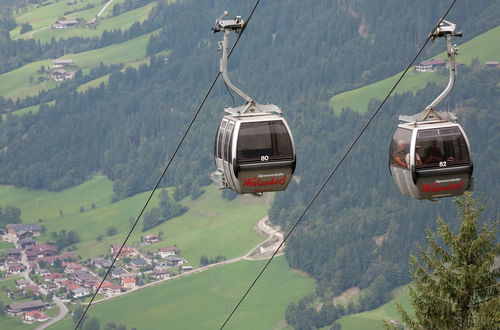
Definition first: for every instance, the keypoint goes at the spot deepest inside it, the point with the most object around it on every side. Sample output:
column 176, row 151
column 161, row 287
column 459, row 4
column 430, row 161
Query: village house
column 117, row 272
column 61, row 75
column 34, row 289
column 167, row 251
column 430, row 66
column 100, row 263
column 138, row 263
column 161, row 273
column 126, row 251
column 61, row 63
column 49, row 286
column 85, row 278
column 151, row 239
column 71, row 267
column 68, row 256
column 19, row 230
column 186, row 268
column 79, row 292
column 26, row 243
column 128, row 282
column 492, row 64
column 41, row 250
column 16, row 268
column 23, row 307
column 172, row 261
column 13, row 254
column 65, row 24
column 34, row 316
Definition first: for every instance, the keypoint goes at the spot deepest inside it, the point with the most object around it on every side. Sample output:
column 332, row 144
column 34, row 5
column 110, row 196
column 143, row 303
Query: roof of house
column 168, row 249
column 434, row 62
column 21, row 226
column 128, row 280
column 27, row 304
column 139, row 262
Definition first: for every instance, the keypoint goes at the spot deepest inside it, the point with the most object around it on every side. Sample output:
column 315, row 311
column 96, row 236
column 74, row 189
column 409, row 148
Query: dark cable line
column 336, row 167
column 165, row 170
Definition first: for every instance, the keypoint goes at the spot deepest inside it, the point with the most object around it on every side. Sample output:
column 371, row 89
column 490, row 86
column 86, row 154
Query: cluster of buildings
column 63, row 276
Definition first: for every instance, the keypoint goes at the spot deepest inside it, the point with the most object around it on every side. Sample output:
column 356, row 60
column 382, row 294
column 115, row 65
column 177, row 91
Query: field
column 16, row 83
column 203, row 301
column 47, row 15
column 122, row 22
column 374, row 319
column 481, row 47
column 212, row 226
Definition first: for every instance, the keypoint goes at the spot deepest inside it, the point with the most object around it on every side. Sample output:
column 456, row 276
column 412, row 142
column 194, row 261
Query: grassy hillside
column 374, row 319
column 481, row 47
column 16, row 84
column 43, row 16
column 203, row 301
column 122, row 21
column 212, row 226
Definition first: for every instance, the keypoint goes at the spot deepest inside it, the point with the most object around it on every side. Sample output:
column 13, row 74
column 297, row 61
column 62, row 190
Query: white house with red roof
column 128, row 282
column 167, row 251
column 34, row 316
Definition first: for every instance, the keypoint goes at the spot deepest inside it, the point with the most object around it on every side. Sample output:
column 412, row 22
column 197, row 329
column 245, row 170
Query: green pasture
column 481, row 47
column 212, row 226
column 44, row 16
column 94, row 83
column 122, row 22
column 41, row 204
column 5, row 245
column 374, row 319
column 203, row 301
column 16, row 83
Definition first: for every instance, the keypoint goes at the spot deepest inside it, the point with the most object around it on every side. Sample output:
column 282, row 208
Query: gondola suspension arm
column 237, row 25
column 447, row 30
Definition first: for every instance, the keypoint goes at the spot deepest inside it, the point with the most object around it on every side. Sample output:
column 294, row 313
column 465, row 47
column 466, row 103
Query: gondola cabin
column 431, row 160
column 254, row 153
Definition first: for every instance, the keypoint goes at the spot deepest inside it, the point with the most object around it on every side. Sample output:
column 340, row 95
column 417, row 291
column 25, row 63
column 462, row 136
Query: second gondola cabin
column 255, row 153
column 431, row 160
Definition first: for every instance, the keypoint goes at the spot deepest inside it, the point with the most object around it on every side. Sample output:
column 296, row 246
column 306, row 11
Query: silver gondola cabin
column 430, row 155
column 254, row 150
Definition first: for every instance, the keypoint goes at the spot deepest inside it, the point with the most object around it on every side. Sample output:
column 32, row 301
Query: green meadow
column 481, row 47
column 16, row 83
column 374, row 319
column 122, row 22
column 43, row 16
column 212, row 226
column 204, row 300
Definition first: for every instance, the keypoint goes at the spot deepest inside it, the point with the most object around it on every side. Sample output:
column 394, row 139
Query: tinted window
column 219, row 138
column 264, row 139
column 228, row 141
column 442, row 147
column 400, row 147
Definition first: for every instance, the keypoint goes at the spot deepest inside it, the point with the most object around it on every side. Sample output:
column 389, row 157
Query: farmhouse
column 151, row 239
column 138, row 263
column 79, row 292
column 61, row 63
column 23, row 307
column 128, row 282
column 65, row 24
column 13, row 254
column 161, row 273
column 71, row 267
column 100, row 262
column 34, row 316
column 167, row 251
column 26, row 243
column 492, row 64
column 61, row 75
column 19, row 229
column 41, row 250
column 127, row 251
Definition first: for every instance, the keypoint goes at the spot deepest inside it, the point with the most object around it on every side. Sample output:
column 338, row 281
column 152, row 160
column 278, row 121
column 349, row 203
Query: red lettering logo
column 259, row 182
column 436, row 187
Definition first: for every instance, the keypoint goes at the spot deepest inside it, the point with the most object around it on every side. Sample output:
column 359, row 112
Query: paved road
column 251, row 255
column 63, row 310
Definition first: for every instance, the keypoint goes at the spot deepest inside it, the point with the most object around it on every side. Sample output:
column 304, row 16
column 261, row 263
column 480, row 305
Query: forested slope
column 294, row 54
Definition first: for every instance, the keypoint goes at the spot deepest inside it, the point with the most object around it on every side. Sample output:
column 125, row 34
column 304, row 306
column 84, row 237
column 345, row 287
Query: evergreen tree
column 456, row 282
